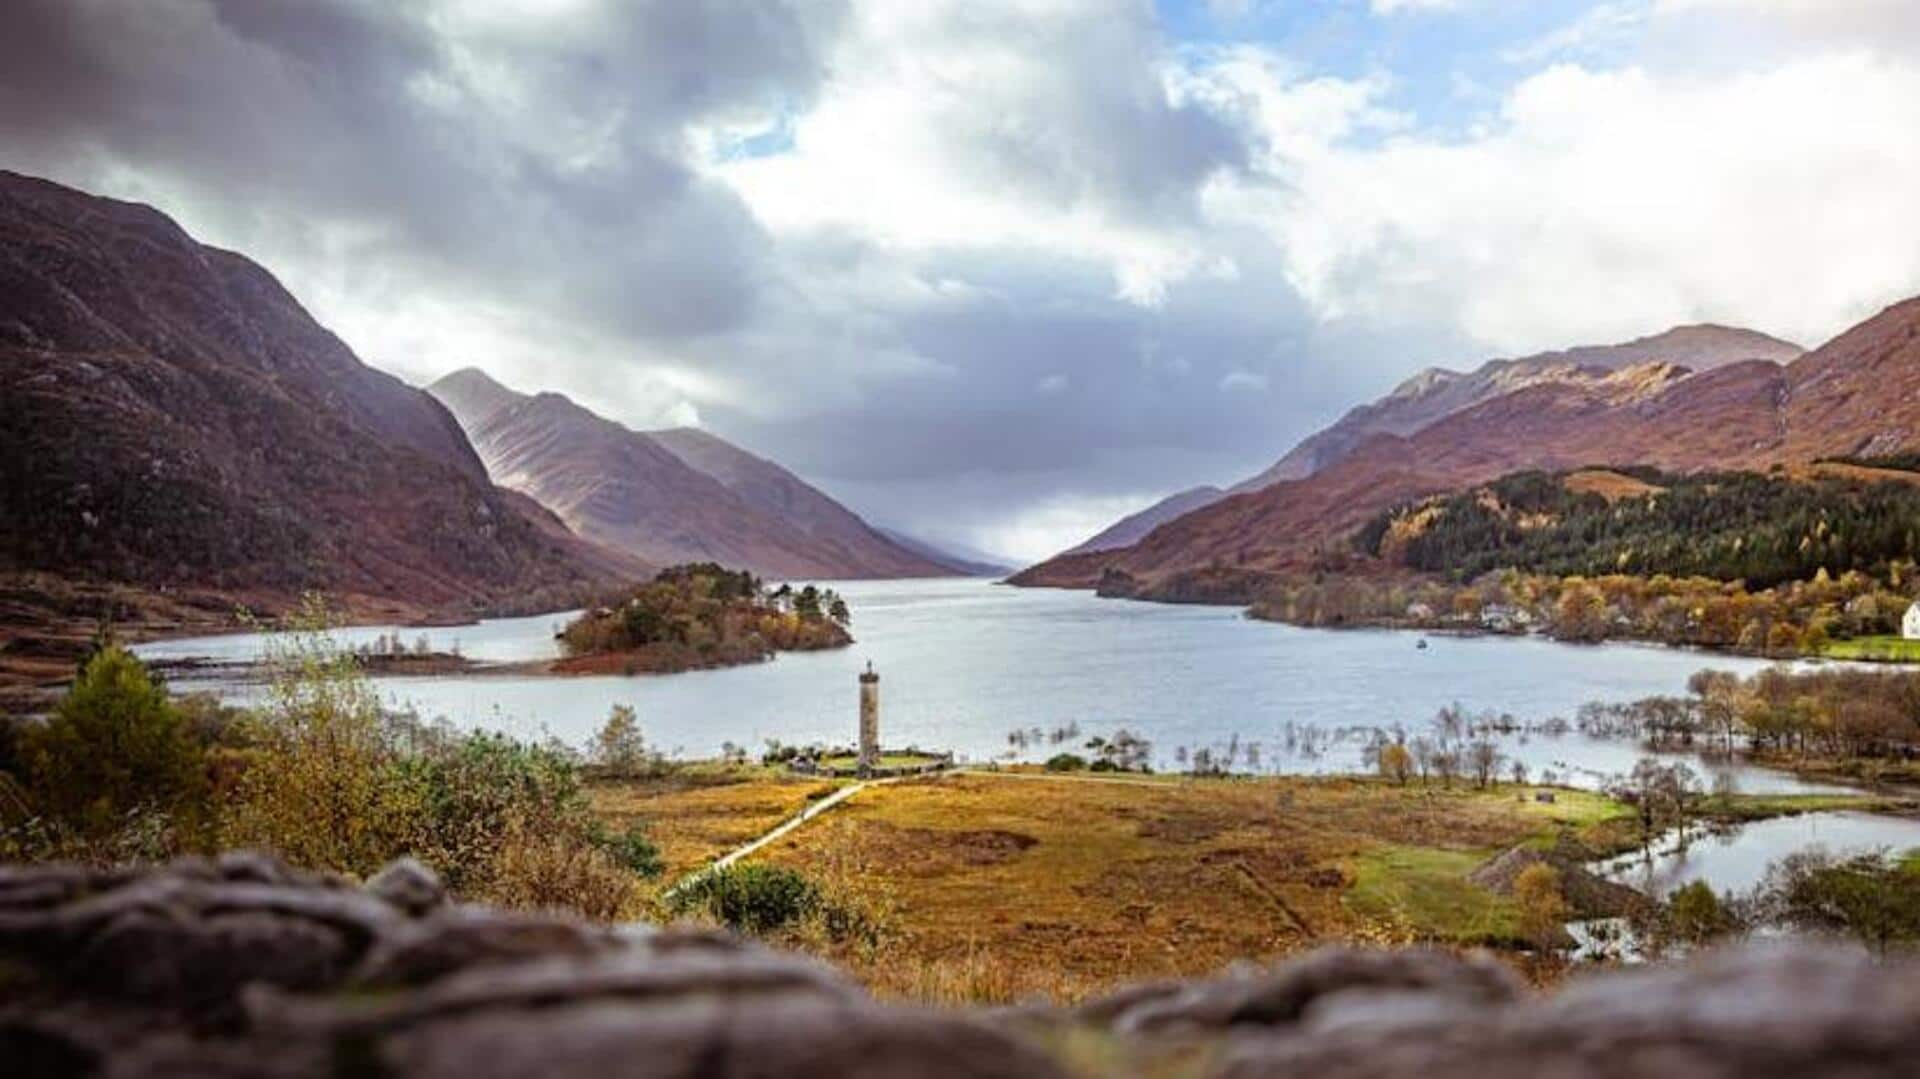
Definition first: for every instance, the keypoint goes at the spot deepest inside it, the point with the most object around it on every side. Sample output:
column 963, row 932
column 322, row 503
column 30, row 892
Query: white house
column 1910, row 625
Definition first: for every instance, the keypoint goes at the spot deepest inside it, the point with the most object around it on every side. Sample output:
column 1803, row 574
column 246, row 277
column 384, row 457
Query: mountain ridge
column 1854, row 394
column 680, row 495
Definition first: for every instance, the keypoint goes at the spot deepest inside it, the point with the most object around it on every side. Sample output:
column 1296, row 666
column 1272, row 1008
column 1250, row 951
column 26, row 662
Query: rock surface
column 240, row 966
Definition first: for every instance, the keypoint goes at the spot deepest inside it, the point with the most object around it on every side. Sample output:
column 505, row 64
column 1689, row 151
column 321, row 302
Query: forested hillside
column 1761, row 528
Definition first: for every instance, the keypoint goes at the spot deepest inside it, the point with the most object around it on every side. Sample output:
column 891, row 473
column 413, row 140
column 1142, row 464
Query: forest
column 1763, row 529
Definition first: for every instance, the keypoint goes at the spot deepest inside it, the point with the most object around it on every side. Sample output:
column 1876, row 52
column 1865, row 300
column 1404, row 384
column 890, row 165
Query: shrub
column 455, row 798
column 1696, row 915
column 318, row 789
column 1066, row 762
column 635, row 851
column 115, row 747
column 1543, row 909
column 546, row 871
column 1870, row 897
column 753, row 899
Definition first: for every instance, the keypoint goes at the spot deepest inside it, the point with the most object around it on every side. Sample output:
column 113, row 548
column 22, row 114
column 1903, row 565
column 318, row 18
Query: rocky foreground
column 243, row 967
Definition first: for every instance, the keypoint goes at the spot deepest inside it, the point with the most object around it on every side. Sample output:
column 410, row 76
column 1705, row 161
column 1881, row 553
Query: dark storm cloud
column 541, row 165
column 543, row 160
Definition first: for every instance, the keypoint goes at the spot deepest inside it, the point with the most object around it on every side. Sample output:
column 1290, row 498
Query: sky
column 1000, row 271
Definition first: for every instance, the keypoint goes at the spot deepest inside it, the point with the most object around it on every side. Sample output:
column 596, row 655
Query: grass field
column 1874, row 649
column 999, row 887
column 701, row 811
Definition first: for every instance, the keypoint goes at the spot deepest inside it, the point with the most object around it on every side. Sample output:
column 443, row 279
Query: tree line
column 1763, row 529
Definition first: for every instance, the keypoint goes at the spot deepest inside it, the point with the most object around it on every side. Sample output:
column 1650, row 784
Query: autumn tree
column 1542, row 906
column 1396, row 762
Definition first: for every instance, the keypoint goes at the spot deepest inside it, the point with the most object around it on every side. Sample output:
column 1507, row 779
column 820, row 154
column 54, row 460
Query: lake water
column 1738, row 860
column 964, row 662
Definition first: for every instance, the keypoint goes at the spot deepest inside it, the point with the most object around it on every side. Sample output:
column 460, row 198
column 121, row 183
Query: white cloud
column 1054, row 524
column 1054, row 383
column 1243, row 382
column 1028, row 126
column 1604, row 203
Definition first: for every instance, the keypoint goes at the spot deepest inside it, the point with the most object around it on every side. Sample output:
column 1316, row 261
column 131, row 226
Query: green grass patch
column 1426, row 889
column 887, row 760
column 1750, row 807
column 1875, row 649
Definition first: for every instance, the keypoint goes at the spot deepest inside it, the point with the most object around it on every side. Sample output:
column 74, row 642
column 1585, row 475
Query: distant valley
column 680, row 495
column 185, row 439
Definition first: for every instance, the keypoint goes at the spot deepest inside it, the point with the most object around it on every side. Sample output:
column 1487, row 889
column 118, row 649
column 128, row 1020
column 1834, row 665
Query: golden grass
column 1608, row 484
column 1005, row 888
column 702, row 811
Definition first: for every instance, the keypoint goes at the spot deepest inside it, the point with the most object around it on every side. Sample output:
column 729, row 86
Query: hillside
column 1131, row 529
column 175, row 422
column 1855, row 395
column 1436, row 393
column 668, row 496
column 1762, row 529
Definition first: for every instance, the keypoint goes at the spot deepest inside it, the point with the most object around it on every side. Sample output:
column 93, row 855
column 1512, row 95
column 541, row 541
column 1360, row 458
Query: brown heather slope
column 174, row 420
column 669, row 496
column 1858, row 394
column 1436, row 393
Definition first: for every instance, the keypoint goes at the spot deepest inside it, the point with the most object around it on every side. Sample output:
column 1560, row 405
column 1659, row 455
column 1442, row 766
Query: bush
column 1543, row 908
column 456, row 797
column 753, row 899
column 544, row 871
column 318, row 789
column 115, row 748
column 1066, row 762
column 1696, row 915
column 636, row 852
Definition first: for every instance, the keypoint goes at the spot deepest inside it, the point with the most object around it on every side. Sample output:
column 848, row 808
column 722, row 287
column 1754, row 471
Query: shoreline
column 1466, row 631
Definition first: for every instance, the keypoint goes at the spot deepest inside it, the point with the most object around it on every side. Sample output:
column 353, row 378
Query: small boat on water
column 1421, row 644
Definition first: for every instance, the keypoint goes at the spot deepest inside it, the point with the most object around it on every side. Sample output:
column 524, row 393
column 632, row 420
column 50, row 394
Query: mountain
column 861, row 550
column 668, row 496
column 1437, row 392
column 962, row 560
column 1130, row 530
column 173, row 419
column 1858, row 394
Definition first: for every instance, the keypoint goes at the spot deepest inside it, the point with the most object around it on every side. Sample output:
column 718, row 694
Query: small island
column 698, row 616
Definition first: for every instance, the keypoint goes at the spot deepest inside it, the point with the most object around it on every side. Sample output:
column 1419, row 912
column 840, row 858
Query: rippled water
column 964, row 662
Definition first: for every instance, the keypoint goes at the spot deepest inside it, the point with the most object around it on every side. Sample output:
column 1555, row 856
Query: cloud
column 1044, row 128
column 1600, row 203
column 996, row 269
column 530, row 167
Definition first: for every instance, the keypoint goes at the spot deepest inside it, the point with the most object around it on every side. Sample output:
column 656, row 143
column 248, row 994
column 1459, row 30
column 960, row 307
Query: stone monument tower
column 869, row 719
